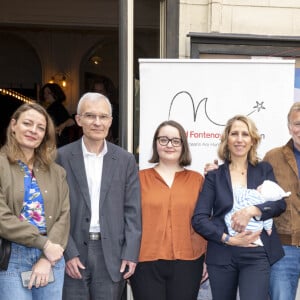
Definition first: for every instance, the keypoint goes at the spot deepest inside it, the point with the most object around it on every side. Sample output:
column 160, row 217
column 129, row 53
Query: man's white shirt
column 93, row 168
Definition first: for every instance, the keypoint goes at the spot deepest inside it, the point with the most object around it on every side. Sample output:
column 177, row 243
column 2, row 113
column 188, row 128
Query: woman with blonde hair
column 235, row 261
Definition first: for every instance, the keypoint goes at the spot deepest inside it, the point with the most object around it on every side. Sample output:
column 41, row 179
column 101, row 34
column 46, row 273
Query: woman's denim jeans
column 22, row 259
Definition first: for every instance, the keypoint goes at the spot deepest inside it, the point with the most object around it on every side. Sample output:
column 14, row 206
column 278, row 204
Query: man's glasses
column 93, row 117
column 164, row 141
column 295, row 124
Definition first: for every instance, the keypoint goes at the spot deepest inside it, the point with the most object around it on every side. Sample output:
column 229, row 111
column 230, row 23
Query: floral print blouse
column 33, row 206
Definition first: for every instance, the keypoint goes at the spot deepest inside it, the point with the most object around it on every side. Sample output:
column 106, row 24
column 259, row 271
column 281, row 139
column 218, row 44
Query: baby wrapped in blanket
column 243, row 197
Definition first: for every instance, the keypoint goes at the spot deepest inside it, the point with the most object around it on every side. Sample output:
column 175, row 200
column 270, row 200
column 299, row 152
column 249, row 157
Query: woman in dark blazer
column 234, row 261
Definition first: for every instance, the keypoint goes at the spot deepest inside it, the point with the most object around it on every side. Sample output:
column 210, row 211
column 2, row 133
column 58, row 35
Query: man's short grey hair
column 93, row 97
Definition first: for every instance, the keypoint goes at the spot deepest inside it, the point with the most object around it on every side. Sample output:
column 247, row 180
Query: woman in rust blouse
column 172, row 254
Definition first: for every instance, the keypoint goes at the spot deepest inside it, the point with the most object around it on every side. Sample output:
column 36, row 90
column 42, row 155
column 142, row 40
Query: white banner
column 203, row 94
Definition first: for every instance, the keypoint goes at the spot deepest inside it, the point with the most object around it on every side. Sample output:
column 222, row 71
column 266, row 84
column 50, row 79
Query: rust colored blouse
column 166, row 216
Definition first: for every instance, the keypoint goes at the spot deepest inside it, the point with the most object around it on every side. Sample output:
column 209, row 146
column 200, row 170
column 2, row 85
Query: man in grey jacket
column 105, row 232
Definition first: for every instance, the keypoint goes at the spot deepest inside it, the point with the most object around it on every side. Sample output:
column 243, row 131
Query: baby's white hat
column 271, row 191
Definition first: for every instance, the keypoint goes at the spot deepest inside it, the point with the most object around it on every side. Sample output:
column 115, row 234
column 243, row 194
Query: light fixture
column 64, row 81
column 16, row 95
column 96, row 60
column 59, row 78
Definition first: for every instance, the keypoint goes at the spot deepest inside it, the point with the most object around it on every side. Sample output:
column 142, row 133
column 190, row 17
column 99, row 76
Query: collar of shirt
column 86, row 153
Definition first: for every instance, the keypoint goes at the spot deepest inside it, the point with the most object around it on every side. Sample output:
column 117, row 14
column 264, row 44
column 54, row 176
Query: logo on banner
column 259, row 106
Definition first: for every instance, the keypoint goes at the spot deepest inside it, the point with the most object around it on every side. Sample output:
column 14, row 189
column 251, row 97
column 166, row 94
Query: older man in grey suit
column 105, row 233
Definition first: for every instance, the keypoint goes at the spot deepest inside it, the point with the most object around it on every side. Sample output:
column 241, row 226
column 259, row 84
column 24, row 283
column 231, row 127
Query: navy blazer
column 216, row 199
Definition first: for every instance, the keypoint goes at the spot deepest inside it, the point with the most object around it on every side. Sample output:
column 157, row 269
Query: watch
column 227, row 237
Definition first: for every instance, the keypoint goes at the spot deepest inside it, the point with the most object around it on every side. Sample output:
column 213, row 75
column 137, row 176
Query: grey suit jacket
column 120, row 206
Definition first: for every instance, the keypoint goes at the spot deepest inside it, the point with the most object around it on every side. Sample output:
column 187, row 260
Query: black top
column 59, row 115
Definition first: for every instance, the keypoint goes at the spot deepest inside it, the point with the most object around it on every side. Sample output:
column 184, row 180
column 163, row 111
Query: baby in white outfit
column 243, row 197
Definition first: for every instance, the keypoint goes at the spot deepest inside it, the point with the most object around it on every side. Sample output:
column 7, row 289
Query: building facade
column 76, row 42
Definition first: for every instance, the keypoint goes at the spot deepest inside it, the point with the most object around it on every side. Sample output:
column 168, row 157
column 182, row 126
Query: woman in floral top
column 34, row 206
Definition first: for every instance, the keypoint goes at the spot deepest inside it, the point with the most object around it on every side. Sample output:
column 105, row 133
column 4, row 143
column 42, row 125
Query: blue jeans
column 285, row 275
column 22, row 259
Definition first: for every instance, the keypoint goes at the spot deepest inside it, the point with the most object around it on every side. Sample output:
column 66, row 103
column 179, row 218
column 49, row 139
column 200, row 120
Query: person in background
column 99, row 87
column 52, row 97
column 234, row 262
column 105, row 233
column 34, row 206
column 172, row 254
column 285, row 161
column 106, row 87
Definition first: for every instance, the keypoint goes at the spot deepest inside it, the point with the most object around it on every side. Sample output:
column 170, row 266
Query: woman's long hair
column 57, row 92
column 45, row 153
column 223, row 150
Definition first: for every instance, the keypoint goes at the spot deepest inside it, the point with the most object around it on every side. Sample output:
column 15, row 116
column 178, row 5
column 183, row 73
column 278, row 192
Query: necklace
column 242, row 172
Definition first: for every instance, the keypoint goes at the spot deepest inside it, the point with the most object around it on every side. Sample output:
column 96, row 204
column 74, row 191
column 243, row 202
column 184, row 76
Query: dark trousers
column 249, row 271
column 96, row 283
column 167, row 279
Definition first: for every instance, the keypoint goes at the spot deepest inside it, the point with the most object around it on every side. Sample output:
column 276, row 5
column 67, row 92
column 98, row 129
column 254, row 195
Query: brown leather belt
column 95, row 236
